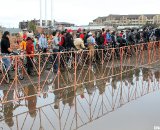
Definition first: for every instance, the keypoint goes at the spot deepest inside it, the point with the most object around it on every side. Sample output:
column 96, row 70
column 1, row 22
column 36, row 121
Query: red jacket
column 121, row 34
column 30, row 48
column 24, row 36
column 62, row 40
column 82, row 36
column 105, row 40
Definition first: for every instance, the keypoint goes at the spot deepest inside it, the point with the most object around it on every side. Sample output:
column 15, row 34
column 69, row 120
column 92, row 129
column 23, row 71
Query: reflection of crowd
column 157, row 75
column 31, row 100
column 66, row 96
column 90, row 87
column 8, row 108
column 147, row 74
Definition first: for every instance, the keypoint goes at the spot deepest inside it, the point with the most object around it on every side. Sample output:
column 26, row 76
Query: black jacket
column 69, row 40
column 5, row 44
column 131, row 38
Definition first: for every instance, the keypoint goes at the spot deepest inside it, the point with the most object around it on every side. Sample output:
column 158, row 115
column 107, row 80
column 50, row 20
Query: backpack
column 101, row 40
column 119, row 40
column 123, row 40
column 138, row 36
column 78, row 35
column 130, row 37
column 157, row 32
column 85, row 38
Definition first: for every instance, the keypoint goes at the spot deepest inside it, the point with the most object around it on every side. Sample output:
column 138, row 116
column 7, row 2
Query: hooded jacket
column 78, row 43
column 5, row 43
column 30, row 47
column 69, row 41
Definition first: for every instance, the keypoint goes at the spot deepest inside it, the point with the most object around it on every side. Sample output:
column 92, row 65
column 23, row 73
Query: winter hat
column 69, row 30
column 79, row 30
column 30, row 35
column 5, row 34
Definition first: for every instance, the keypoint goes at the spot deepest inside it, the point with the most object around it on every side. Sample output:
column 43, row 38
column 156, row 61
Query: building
column 62, row 25
column 25, row 24
column 65, row 24
column 99, row 21
column 125, row 20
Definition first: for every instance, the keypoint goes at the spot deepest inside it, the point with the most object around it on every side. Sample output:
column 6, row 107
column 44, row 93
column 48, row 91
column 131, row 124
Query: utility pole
column 45, row 12
column 52, row 18
column 40, row 13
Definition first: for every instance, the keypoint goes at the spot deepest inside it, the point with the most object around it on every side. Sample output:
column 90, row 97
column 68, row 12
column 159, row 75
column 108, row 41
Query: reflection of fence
column 91, row 102
column 75, row 69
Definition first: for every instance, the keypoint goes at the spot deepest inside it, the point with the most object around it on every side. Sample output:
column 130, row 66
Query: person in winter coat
column 79, row 44
column 131, row 38
column 55, row 47
column 108, row 36
column 113, row 39
column 91, row 43
column 69, row 39
column 62, row 41
column 6, row 50
column 30, row 54
column 85, row 36
column 43, row 44
column 104, row 36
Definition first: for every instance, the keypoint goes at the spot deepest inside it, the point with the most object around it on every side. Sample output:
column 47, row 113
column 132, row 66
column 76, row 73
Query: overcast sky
column 79, row 12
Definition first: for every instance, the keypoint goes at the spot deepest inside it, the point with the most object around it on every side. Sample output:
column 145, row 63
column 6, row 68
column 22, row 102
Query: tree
column 32, row 26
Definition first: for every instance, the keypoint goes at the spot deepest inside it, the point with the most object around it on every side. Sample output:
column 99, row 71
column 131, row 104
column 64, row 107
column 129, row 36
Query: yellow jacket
column 23, row 45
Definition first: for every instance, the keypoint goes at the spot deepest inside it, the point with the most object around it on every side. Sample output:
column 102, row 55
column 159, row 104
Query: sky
column 79, row 12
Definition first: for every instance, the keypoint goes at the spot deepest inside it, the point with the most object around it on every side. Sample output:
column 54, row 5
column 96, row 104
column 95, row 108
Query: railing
column 75, row 69
column 73, row 109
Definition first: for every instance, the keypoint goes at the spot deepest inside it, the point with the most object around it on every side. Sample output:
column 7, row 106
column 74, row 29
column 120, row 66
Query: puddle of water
column 94, row 100
column 142, row 114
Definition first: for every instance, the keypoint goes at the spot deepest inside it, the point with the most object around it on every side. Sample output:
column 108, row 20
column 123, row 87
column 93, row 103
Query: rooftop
column 129, row 16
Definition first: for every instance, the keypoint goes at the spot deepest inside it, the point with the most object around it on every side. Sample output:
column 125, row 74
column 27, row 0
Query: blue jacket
column 108, row 37
column 91, row 40
column 43, row 42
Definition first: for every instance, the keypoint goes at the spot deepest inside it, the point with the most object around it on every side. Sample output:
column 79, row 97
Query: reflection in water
column 101, row 85
column 68, row 97
column 31, row 101
column 57, row 99
column 147, row 74
column 70, row 110
column 157, row 75
column 8, row 108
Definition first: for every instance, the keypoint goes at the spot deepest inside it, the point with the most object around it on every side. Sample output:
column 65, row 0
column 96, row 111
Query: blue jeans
column 7, row 62
column 55, row 61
